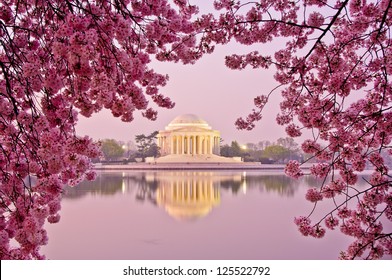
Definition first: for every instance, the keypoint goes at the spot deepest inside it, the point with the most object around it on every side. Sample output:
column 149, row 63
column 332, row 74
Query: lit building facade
column 188, row 135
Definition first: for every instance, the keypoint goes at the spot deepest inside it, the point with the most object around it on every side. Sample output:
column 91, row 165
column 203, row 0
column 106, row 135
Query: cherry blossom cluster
column 334, row 72
column 305, row 227
column 293, row 169
column 62, row 58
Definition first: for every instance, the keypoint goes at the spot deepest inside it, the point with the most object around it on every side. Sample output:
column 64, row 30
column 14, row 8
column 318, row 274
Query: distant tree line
column 114, row 151
column 111, row 149
column 281, row 151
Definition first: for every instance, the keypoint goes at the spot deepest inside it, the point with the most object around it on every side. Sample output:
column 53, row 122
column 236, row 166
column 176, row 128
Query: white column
column 198, row 145
column 176, row 150
column 188, row 147
column 182, row 144
column 195, row 139
column 194, row 144
column 179, row 147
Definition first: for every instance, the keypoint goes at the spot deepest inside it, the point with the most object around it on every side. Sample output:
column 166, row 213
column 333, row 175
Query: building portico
column 189, row 139
column 188, row 135
column 188, row 144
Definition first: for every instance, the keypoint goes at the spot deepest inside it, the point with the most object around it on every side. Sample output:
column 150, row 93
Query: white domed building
column 188, row 135
column 189, row 138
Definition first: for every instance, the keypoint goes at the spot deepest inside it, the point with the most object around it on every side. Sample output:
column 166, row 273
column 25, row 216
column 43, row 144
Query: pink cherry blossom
column 64, row 58
column 304, row 225
column 293, row 169
column 313, row 195
column 333, row 75
column 331, row 222
column 318, row 232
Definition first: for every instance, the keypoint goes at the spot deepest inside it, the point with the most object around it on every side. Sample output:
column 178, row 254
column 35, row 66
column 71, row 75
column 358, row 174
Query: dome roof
column 188, row 120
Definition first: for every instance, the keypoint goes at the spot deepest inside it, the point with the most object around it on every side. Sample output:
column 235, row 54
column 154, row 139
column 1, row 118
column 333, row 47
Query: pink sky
column 208, row 89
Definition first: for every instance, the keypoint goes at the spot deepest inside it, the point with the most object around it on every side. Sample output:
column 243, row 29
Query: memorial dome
column 188, row 120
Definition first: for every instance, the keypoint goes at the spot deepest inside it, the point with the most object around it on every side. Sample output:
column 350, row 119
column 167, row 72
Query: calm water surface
column 187, row 215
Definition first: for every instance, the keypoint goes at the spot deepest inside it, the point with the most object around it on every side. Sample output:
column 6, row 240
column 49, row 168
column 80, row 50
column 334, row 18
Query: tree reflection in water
column 105, row 184
column 147, row 183
column 110, row 183
column 185, row 195
column 146, row 187
column 210, row 208
column 276, row 182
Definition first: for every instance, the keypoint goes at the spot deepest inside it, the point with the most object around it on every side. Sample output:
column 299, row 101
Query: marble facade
column 188, row 135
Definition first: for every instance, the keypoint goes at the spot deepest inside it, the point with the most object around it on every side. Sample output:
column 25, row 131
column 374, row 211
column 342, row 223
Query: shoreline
column 193, row 166
column 202, row 166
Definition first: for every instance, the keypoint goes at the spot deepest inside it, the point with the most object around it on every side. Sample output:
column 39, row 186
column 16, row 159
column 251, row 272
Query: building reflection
column 188, row 195
column 184, row 195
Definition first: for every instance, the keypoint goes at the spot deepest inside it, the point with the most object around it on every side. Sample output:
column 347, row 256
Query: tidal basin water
column 188, row 215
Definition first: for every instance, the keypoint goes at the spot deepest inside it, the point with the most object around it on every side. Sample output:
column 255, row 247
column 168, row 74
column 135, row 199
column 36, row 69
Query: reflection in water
column 188, row 196
column 185, row 195
column 235, row 214
column 105, row 184
column 278, row 183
